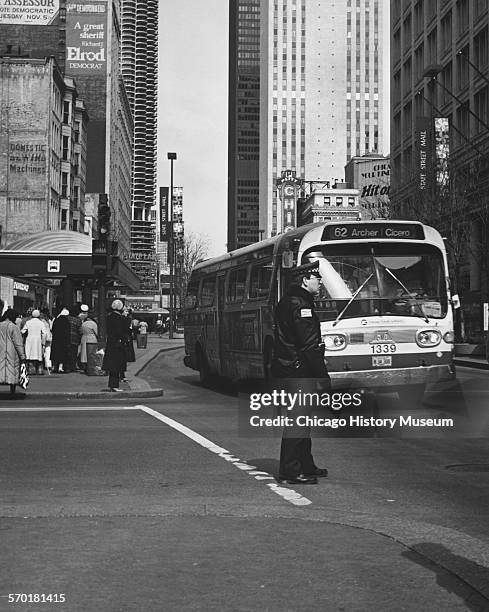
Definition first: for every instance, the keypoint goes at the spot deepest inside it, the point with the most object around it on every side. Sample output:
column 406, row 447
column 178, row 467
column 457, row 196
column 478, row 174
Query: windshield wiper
column 351, row 299
column 411, row 295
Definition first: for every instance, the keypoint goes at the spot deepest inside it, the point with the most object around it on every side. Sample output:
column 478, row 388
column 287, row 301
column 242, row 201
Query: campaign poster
column 28, row 12
column 86, row 37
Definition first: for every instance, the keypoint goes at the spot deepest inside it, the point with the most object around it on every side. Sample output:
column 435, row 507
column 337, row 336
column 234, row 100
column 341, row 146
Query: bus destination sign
column 374, row 231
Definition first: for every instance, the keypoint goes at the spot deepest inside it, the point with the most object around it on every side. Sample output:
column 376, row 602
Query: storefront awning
column 61, row 254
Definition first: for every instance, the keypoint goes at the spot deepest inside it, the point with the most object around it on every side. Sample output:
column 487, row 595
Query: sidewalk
column 77, row 385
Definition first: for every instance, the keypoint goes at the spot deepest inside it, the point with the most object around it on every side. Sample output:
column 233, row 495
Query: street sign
column 54, row 265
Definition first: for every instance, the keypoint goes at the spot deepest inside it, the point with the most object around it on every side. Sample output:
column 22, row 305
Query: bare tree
column 194, row 248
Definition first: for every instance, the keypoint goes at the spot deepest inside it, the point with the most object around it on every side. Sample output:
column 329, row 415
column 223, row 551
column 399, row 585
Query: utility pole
column 171, row 250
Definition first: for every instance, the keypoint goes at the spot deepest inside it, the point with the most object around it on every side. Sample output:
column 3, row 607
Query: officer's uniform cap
column 310, row 269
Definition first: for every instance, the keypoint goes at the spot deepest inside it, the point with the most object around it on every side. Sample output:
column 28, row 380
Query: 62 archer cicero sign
column 86, row 37
column 28, row 12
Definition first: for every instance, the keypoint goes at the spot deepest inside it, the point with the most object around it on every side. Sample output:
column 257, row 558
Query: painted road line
column 63, row 408
column 288, row 494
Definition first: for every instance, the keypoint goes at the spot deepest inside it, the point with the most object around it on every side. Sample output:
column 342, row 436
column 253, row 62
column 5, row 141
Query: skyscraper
column 321, row 86
column 139, row 21
column 244, row 122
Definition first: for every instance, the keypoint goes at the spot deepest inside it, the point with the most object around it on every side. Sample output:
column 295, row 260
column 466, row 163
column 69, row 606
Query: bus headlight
column 428, row 337
column 449, row 337
column 334, row 342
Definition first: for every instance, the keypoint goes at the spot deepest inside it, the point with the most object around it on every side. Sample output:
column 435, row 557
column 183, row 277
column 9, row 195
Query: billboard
column 371, row 175
column 442, row 151
column 28, row 12
column 86, row 38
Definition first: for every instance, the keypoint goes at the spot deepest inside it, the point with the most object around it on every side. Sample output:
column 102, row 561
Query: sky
column 193, row 111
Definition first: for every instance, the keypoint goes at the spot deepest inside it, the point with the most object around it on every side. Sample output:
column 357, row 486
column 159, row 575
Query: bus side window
column 191, row 300
column 208, row 291
column 260, row 279
column 236, row 285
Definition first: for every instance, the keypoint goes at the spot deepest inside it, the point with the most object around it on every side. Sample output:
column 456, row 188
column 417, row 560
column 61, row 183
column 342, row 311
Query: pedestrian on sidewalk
column 46, row 320
column 299, row 354
column 128, row 342
column 75, row 338
column 35, row 335
column 12, row 352
column 115, row 354
column 89, row 335
column 60, row 344
column 159, row 326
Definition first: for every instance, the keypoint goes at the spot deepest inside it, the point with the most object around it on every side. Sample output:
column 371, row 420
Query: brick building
column 40, row 162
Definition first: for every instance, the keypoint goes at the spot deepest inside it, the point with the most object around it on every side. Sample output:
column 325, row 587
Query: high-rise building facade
column 440, row 135
column 244, row 122
column 139, row 20
column 321, row 86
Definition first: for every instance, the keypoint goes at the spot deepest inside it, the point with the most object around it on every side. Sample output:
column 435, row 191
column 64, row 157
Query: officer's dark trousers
column 295, row 449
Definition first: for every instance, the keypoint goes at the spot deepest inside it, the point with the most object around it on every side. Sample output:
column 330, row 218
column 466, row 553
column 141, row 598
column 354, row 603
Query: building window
column 407, row 32
column 419, row 62
column 327, row 200
column 66, row 148
column 339, row 201
column 446, row 31
column 463, row 68
column 446, row 78
column 64, row 184
column 432, row 41
column 66, row 112
column 480, row 49
column 418, row 18
column 351, row 201
column 407, row 76
column 480, row 109
column 462, row 15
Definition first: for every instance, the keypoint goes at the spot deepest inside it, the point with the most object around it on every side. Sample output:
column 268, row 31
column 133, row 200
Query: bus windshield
column 379, row 279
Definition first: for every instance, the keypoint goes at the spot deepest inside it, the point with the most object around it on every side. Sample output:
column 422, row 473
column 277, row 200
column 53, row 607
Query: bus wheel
column 267, row 360
column 204, row 372
column 412, row 395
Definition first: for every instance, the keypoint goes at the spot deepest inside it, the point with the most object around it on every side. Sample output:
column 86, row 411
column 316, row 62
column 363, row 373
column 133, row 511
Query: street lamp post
column 171, row 248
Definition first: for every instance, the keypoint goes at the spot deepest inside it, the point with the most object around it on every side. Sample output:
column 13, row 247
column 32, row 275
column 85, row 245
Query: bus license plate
column 382, row 362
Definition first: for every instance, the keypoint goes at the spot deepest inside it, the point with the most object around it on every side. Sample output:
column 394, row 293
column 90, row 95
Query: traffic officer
column 299, row 354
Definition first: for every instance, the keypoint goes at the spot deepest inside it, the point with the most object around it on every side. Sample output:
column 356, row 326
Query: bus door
column 220, row 319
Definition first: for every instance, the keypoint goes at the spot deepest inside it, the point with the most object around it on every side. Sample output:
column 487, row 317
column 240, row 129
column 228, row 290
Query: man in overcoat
column 299, row 354
column 115, row 352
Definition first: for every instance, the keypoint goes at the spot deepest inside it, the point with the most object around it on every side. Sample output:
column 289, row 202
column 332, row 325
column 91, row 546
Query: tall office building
column 440, row 134
column 139, row 21
column 321, row 86
column 244, row 122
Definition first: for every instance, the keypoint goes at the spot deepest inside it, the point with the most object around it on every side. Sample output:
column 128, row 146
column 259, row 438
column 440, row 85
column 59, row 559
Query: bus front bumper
column 384, row 378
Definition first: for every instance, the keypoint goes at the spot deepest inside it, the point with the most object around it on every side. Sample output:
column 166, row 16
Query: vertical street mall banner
column 28, row 12
column 424, row 153
column 163, row 213
column 86, row 37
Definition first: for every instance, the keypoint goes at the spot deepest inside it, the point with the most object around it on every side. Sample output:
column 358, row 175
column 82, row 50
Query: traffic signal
column 103, row 217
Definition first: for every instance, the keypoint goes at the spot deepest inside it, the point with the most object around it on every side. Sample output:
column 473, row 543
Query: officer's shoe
column 318, row 473
column 299, row 479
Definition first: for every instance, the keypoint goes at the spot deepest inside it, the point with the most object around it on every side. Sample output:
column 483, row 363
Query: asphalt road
column 167, row 506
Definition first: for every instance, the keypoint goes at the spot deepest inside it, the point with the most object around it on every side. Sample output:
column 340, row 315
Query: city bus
column 384, row 305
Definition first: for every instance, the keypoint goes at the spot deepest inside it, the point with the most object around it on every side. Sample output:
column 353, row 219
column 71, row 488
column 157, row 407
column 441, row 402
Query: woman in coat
column 35, row 340
column 115, row 353
column 11, row 350
column 60, row 344
column 89, row 332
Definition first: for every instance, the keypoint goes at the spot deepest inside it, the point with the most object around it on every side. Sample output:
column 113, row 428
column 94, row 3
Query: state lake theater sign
column 28, row 12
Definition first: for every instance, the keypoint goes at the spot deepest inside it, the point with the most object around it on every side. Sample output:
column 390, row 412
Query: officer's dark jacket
column 298, row 334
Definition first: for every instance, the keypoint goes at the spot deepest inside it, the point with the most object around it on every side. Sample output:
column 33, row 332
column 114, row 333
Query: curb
column 139, row 369
column 478, row 365
column 151, row 392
